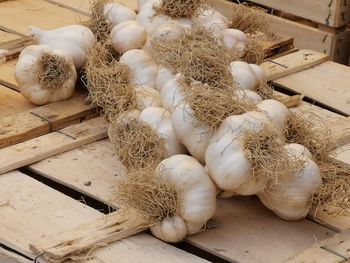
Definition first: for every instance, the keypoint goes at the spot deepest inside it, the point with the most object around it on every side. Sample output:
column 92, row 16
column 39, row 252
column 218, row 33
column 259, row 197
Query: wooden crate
column 57, row 172
column 332, row 13
column 307, row 34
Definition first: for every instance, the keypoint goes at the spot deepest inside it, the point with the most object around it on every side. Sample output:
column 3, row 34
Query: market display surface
column 163, row 114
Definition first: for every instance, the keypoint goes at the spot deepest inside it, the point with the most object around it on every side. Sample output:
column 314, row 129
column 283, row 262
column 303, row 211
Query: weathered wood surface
column 48, row 145
column 30, row 211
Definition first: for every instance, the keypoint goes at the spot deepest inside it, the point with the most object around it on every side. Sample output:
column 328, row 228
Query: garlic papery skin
column 170, row 229
column 226, row 158
column 248, row 96
column 163, row 76
column 258, row 72
column 196, row 196
column 116, row 13
column 128, row 35
column 38, row 82
column 276, row 111
column 143, row 67
column 192, row 133
column 159, row 119
column 172, row 93
column 147, row 14
column 147, row 97
column 291, row 201
column 244, row 75
column 212, row 20
column 167, row 32
column 235, row 40
column 73, row 39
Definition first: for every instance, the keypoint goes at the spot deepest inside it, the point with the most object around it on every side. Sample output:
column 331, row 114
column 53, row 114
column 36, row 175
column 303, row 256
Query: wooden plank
column 18, row 15
column 4, row 36
column 48, row 145
column 10, row 257
column 327, row 83
column 249, row 232
column 12, row 102
column 332, row 250
column 76, row 242
column 33, row 211
column 83, row 6
column 332, row 43
column 333, row 13
column 41, row 120
column 7, row 74
column 292, row 63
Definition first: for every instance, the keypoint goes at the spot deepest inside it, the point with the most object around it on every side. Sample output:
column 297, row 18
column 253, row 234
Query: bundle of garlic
column 74, row 40
column 45, row 75
column 177, row 199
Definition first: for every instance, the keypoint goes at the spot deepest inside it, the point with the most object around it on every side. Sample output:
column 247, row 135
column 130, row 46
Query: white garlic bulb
column 291, row 200
column 196, row 194
column 143, row 67
column 226, row 158
column 248, row 96
column 212, row 20
column 128, row 35
column 163, row 76
column 147, row 97
column 191, row 132
column 159, row 119
column 276, row 111
column 45, row 75
column 235, row 40
column 73, row 39
column 247, row 76
column 172, row 93
column 116, row 13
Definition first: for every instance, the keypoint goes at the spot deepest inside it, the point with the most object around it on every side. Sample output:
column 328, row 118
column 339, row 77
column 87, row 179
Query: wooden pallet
column 67, row 171
column 320, row 25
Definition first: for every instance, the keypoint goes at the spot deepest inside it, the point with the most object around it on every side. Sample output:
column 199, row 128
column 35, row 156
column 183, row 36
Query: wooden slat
column 248, row 232
column 292, row 63
column 7, row 74
column 83, row 6
column 4, row 36
column 41, row 120
column 45, row 146
column 328, row 83
column 332, row 250
column 333, row 13
column 10, row 257
column 18, row 15
column 12, row 102
column 31, row 210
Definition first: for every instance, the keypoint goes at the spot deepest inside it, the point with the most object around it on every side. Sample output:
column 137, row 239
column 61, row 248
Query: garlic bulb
column 147, row 14
column 168, row 31
column 172, row 93
column 147, row 97
column 212, row 20
column 291, row 201
column 236, row 40
column 248, row 96
column 159, row 119
column 247, row 76
column 144, row 69
column 74, row 40
column 128, row 35
column 196, row 194
column 163, row 76
column 192, row 133
column 116, row 13
column 45, row 75
column 276, row 111
column 226, row 158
